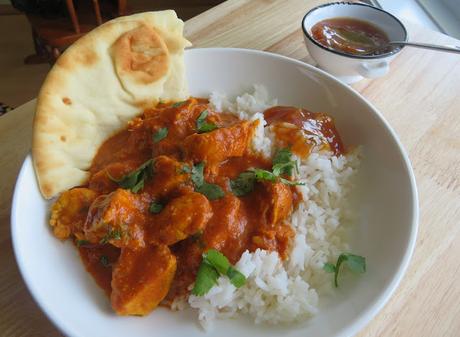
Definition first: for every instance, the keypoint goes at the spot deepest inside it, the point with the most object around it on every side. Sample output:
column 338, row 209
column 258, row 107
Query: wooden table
column 421, row 100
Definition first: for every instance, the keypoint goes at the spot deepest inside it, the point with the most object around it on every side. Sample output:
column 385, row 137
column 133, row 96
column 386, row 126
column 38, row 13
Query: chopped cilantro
column 134, row 180
column 178, row 104
column 355, row 263
column 202, row 126
column 291, row 183
column 243, row 184
column 236, row 277
column 205, row 279
column 155, row 207
column 198, row 174
column 282, row 156
column 282, row 165
column 217, row 260
column 213, row 264
column 329, row 267
column 207, row 127
column 111, row 235
column 211, row 191
column 264, row 175
column 81, row 243
column 104, row 261
column 282, row 162
column 185, row 169
column 160, row 135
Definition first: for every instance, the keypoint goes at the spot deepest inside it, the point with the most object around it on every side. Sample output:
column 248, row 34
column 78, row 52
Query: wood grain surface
column 421, row 100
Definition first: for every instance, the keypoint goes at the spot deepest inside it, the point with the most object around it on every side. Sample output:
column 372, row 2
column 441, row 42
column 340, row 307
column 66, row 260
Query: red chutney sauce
column 351, row 36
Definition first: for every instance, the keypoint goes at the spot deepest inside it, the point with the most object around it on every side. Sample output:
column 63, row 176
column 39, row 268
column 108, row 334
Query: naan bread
column 98, row 84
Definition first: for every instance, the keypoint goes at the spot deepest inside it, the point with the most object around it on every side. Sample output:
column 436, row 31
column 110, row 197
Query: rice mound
column 285, row 291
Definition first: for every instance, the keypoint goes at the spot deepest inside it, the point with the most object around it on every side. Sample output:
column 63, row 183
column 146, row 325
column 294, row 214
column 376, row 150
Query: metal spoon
column 447, row 48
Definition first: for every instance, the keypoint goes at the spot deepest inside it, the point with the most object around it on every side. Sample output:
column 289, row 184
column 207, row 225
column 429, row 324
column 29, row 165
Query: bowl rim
column 394, row 51
column 354, row 326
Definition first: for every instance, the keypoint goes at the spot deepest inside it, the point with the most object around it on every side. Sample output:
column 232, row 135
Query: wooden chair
column 52, row 36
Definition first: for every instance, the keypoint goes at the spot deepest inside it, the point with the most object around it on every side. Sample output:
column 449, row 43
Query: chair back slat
column 97, row 11
column 121, row 7
column 73, row 16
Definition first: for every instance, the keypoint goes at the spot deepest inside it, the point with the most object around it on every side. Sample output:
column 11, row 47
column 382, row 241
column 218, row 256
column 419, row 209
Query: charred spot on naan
column 142, row 55
column 66, row 101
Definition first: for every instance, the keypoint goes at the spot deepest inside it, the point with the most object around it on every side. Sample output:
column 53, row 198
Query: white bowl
column 385, row 233
column 352, row 68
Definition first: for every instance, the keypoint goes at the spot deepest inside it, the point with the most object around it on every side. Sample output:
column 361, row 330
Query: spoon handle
column 448, row 48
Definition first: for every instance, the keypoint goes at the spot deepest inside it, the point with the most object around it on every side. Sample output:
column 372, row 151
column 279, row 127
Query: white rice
column 285, row 291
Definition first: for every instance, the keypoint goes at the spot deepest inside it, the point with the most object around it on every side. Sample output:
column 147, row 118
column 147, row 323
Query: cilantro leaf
column 185, row 169
column 355, row 263
column 211, row 191
column 329, row 267
column 111, row 235
column 104, row 261
column 243, row 184
column 201, row 118
column 155, row 207
column 207, row 127
column 160, row 135
column 202, row 126
column 261, row 174
column 213, row 264
column 205, row 279
column 283, row 168
column 217, row 260
column 282, row 156
column 134, row 180
column 197, row 174
column 139, row 185
column 81, row 243
column 340, row 260
column 291, row 183
column 236, row 277
column 283, row 163
column 178, row 104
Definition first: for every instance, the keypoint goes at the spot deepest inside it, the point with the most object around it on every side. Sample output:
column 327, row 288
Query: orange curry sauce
column 154, row 257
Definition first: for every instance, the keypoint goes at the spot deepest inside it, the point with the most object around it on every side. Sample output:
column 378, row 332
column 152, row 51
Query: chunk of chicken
column 226, row 228
column 275, row 205
column 170, row 113
column 218, row 145
column 168, row 177
column 141, row 279
column 180, row 120
column 189, row 255
column 275, row 202
column 277, row 239
column 98, row 261
column 182, row 217
column 117, row 218
column 68, row 213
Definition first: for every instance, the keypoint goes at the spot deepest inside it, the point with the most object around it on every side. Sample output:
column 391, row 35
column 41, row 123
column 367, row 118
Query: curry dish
column 162, row 192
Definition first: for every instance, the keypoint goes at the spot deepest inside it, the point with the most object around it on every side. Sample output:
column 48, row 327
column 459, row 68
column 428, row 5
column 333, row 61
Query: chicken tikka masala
column 179, row 181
